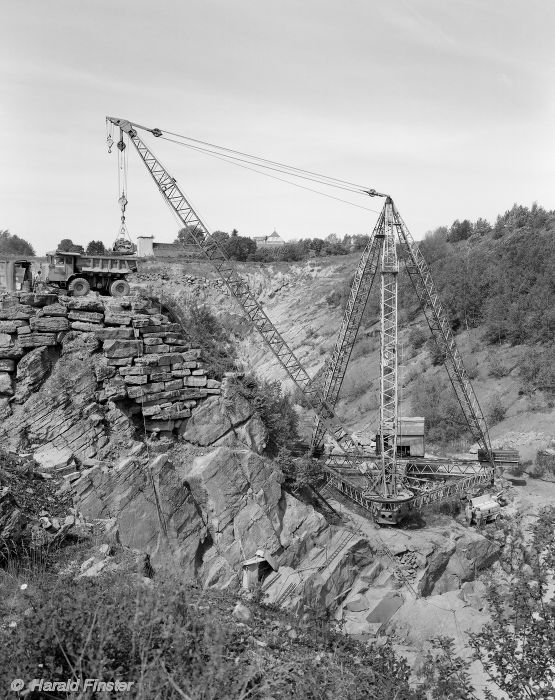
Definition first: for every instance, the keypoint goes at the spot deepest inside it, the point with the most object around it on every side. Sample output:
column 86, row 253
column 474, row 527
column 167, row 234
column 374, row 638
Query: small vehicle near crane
column 483, row 509
column 79, row 273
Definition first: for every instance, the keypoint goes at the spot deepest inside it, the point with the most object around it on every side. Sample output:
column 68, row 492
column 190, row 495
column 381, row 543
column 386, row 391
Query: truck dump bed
column 106, row 263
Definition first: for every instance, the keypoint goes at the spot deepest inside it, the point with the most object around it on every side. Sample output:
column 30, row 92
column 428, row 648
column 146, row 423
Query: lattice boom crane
column 385, row 485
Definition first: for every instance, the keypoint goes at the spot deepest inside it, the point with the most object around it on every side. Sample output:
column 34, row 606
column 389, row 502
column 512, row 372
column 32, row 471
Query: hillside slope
column 305, row 300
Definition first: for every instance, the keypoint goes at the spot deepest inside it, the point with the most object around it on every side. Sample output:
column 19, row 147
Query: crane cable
column 241, row 159
column 286, row 170
column 227, row 159
column 362, row 188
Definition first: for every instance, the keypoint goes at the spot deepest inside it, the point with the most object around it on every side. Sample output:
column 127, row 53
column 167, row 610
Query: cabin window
column 59, row 260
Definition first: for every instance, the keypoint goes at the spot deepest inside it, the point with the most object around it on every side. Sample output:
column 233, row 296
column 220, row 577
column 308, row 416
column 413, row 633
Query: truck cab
column 61, row 267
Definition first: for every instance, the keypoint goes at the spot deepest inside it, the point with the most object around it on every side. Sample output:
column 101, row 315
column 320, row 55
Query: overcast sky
column 447, row 106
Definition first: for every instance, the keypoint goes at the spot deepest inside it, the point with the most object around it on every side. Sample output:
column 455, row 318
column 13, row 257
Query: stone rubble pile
column 197, row 283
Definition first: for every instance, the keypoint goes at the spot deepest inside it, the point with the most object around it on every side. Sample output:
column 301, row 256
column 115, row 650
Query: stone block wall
column 140, row 356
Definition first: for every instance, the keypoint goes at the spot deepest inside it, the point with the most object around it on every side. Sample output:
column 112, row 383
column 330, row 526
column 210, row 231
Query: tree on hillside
column 460, row 230
column 68, row 245
column 186, row 238
column 435, row 246
column 10, row 244
column 96, row 248
column 434, row 399
column 221, row 237
column 482, row 227
column 239, row 247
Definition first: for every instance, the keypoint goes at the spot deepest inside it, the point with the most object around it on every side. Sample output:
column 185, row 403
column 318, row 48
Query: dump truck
column 15, row 274
column 79, row 273
column 483, row 509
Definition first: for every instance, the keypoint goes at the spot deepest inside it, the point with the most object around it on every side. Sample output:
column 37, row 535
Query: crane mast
column 388, row 356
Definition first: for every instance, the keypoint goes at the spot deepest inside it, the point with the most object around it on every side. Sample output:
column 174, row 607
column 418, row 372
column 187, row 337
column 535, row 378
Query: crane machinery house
column 410, row 437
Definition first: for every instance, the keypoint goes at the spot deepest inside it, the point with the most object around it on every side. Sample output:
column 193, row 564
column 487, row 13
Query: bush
column 496, row 411
column 435, row 400
column 299, row 472
column 437, row 356
column 516, row 470
column 207, row 333
column 496, row 367
column 417, row 337
column 335, row 298
column 472, row 371
column 537, row 370
column 275, row 409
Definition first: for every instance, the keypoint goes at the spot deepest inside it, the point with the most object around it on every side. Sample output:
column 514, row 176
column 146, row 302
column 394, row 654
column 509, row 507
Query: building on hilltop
column 271, row 241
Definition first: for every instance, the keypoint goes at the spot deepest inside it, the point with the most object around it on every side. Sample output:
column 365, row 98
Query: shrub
column 364, row 346
column 275, row 409
column 206, row 332
column 496, row 411
column 472, row 371
column 537, row 370
column 334, row 298
column 496, row 367
column 434, row 399
column 516, row 470
column 299, row 472
column 437, row 356
column 516, row 646
column 417, row 337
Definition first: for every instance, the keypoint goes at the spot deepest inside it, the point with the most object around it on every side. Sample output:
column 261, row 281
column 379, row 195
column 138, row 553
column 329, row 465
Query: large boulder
column 32, row 370
column 225, row 421
column 471, row 554
column 51, row 458
column 49, row 324
column 456, row 559
column 6, row 384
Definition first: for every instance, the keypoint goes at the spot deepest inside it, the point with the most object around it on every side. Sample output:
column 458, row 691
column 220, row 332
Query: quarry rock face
column 109, row 382
column 210, row 514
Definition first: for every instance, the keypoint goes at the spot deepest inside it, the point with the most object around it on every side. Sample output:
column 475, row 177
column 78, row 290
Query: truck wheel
column 79, row 286
column 120, row 288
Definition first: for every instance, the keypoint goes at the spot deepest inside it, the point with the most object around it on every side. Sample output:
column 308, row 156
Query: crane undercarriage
column 383, row 484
